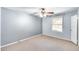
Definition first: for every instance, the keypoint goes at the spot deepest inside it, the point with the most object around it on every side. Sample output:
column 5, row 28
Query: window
column 57, row 24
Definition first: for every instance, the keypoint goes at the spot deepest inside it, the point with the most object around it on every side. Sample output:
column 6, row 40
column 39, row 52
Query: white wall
column 18, row 25
column 66, row 34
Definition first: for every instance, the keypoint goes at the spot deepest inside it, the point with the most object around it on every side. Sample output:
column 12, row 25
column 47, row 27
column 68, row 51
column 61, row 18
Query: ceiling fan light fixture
column 42, row 12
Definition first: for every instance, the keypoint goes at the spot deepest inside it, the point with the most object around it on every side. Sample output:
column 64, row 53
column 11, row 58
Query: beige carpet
column 42, row 43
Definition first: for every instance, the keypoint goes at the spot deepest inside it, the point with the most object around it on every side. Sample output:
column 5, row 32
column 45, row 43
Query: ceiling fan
column 43, row 12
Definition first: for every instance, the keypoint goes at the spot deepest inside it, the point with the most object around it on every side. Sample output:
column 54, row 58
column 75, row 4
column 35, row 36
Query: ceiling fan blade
column 50, row 12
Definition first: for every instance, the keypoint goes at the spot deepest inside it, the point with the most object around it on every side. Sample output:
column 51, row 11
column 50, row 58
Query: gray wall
column 0, row 26
column 66, row 34
column 18, row 25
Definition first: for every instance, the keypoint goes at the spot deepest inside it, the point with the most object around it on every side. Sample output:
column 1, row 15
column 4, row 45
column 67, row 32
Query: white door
column 74, row 29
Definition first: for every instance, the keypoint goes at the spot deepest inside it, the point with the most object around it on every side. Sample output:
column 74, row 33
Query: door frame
column 77, row 29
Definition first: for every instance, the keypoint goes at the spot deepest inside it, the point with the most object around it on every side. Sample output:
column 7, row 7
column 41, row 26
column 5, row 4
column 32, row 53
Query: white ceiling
column 32, row 10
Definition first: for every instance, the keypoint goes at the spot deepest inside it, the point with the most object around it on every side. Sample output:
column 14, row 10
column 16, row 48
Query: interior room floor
column 42, row 43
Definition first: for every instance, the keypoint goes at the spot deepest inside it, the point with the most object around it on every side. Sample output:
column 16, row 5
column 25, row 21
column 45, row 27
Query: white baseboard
column 33, row 37
column 21, row 40
column 63, row 38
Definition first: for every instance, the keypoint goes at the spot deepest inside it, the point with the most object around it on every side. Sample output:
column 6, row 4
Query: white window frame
column 57, row 24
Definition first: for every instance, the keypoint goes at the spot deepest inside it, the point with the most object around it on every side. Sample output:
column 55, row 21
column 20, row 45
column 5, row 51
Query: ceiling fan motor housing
column 43, row 10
